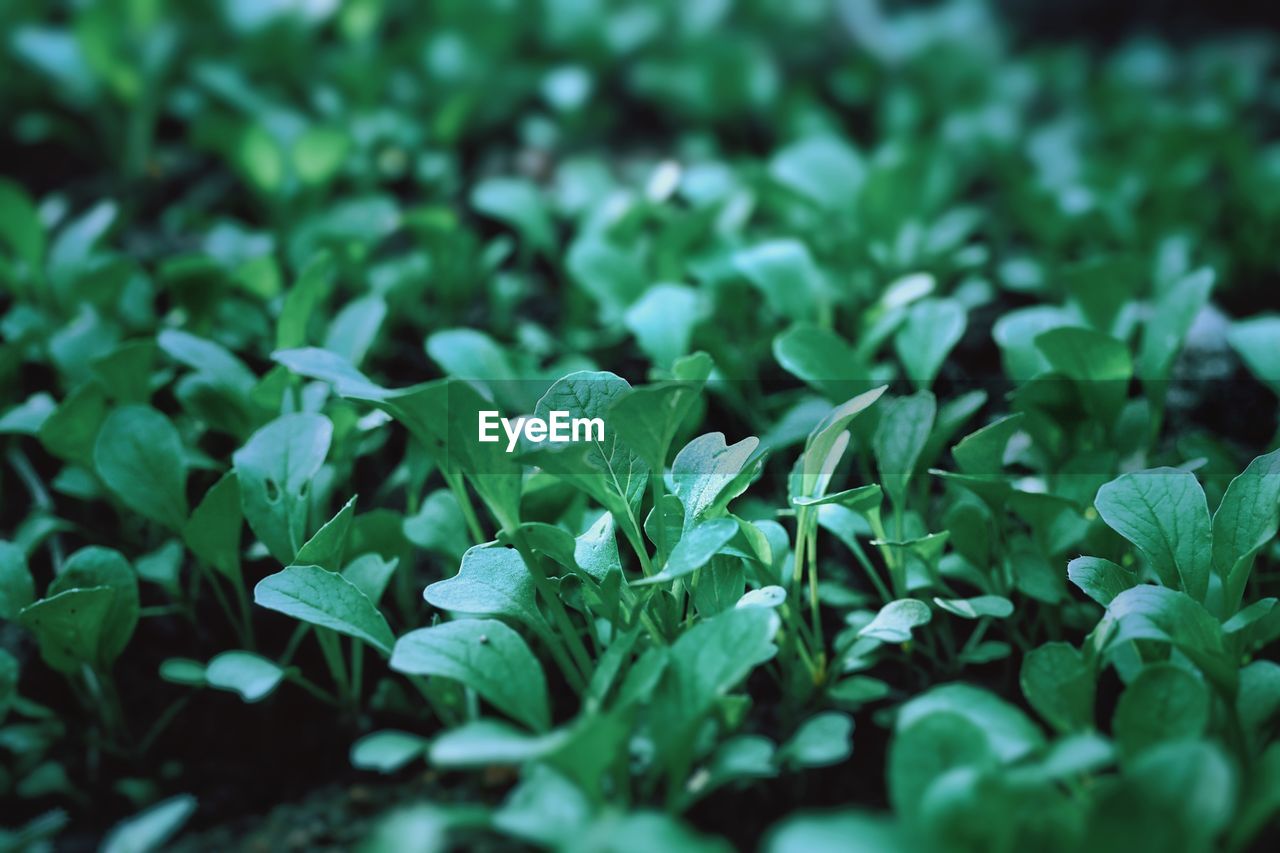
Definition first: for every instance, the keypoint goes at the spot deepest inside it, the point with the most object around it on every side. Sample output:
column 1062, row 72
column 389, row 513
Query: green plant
column 913, row 522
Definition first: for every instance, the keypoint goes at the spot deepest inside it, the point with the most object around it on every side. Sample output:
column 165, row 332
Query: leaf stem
column 357, row 671
column 311, row 687
column 581, row 661
column 655, row 481
column 459, row 489
column 861, row 556
column 814, row 614
column 333, row 657
column 39, row 497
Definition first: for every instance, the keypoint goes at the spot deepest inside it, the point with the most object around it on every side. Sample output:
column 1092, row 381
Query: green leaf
column 1167, row 327
column 981, row 452
column 27, row 417
column 820, row 741
column 1258, row 703
column 485, row 655
column 695, row 549
column 705, row 662
column 9, row 672
column 94, row 567
column 826, row 444
column 822, row 169
column 1016, row 334
column 70, row 431
column 354, row 330
column 611, row 275
column 439, row 526
column 1163, row 512
column 854, row 692
column 469, row 354
column 69, row 627
column 259, row 157
column 318, row 153
column 1060, row 685
column 20, row 226
column 213, row 530
column 1148, row 612
column 17, row 587
column 1246, row 520
column 895, row 620
column 387, row 751
column 785, row 272
column 662, row 321
column 371, row 573
column 182, row 671
column 139, row 455
column 1254, row 339
column 823, row 359
column 1175, row 796
column 1009, row 733
column 835, row 831
column 482, row 743
column 221, row 390
column 75, row 244
column 610, row 471
column 274, row 469
column 1101, row 580
column 646, row 419
column 1102, row 285
column 163, row 566
column 924, row 747
column 152, row 828
column 900, row 437
column 516, row 202
column 306, row 295
column 862, row 499
column 125, row 372
column 442, row 415
column 932, row 329
column 327, row 547
column 765, row 596
column 248, row 674
column 224, row 370
column 1165, row 702
column 325, row 599
column 707, row 473
column 545, row 808
column 331, row 367
column 994, row 606
column 1098, row 364
column 492, row 581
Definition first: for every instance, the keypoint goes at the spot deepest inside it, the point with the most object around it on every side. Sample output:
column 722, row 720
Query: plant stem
column 815, row 616
column 162, row 722
column 802, row 526
column 311, row 687
column 632, row 533
column 861, row 556
column 291, row 647
column 582, row 665
column 459, row 489
column 357, row 671
column 39, row 497
column 655, row 481
column 333, row 657
column 246, row 615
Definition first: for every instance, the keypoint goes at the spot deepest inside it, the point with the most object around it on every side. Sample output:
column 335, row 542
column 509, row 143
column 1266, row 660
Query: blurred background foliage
column 592, row 182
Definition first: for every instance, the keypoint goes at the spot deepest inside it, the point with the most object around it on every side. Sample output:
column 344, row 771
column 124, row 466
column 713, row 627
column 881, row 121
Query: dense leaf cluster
column 934, row 509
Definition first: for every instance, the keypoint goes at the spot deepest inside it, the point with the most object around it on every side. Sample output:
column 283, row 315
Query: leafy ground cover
column 936, row 504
